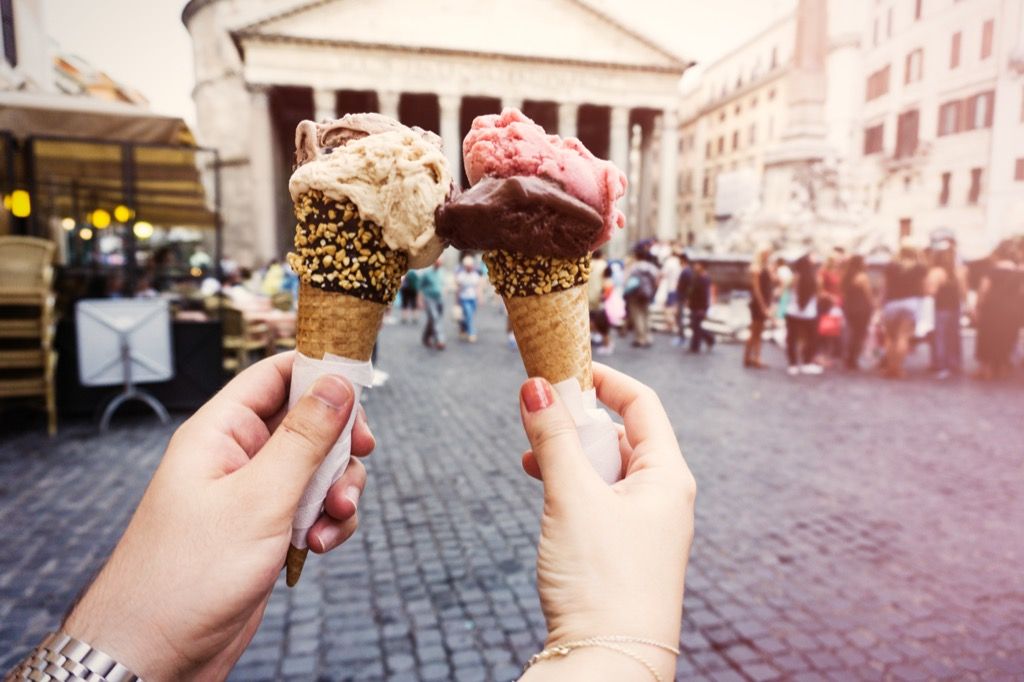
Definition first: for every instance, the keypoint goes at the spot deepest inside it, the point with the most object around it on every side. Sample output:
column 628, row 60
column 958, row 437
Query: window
column 979, row 111
column 912, row 67
column 987, row 30
column 949, row 118
column 888, row 23
column 975, row 192
column 753, row 102
column 735, row 140
column 906, row 227
column 954, row 51
column 737, row 110
column 721, row 115
column 906, row 134
column 917, row 9
column 873, row 137
column 878, row 83
column 771, row 94
column 721, row 144
column 944, row 193
column 752, row 135
column 707, row 151
column 775, row 57
column 7, row 31
column 706, row 187
column 1018, row 170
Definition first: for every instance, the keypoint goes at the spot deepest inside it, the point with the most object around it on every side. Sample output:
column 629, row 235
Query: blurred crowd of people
column 837, row 311
column 841, row 311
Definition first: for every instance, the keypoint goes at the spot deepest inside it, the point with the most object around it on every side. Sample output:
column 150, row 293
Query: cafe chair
column 242, row 338
column 27, row 322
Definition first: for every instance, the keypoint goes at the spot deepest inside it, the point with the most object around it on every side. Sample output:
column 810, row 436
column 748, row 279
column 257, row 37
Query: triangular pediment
column 568, row 30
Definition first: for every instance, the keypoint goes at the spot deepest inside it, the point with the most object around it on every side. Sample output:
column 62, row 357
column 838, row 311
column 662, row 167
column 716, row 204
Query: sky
column 143, row 44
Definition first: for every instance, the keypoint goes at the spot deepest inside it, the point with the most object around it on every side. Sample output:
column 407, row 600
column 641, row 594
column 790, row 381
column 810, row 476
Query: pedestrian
column 802, row 318
column 904, row 293
column 858, row 309
column 945, row 287
column 830, row 316
column 683, row 284
column 596, row 296
column 431, row 288
column 670, row 270
column 188, row 582
column 698, row 302
column 998, row 313
column 468, row 282
column 409, row 295
column 762, row 294
column 641, row 285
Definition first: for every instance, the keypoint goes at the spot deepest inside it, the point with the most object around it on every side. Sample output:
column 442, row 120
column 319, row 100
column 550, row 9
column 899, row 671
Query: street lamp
column 21, row 204
column 68, row 224
column 143, row 229
column 85, row 233
column 123, row 214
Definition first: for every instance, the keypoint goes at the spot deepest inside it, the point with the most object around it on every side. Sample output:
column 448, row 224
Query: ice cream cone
column 546, row 300
column 553, row 334
column 342, row 300
column 334, row 323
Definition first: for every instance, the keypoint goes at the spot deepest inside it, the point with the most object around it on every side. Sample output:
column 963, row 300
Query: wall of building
column 733, row 114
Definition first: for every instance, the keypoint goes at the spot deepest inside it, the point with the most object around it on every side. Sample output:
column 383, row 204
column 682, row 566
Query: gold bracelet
column 611, row 642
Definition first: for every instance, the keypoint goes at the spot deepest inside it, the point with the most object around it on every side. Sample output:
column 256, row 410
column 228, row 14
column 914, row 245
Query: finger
column 281, row 470
column 553, row 439
column 263, row 387
column 343, row 496
column 363, row 441
column 530, row 465
column 647, row 426
column 328, row 533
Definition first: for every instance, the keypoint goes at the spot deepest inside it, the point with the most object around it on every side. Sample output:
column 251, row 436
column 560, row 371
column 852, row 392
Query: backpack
column 640, row 287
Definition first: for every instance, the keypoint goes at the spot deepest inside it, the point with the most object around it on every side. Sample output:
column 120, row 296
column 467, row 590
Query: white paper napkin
column 597, row 432
column 305, row 371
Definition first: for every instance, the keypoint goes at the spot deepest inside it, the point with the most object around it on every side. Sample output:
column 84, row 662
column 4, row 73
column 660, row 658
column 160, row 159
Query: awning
column 28, row 114
column 166, row 189
column 89, row 153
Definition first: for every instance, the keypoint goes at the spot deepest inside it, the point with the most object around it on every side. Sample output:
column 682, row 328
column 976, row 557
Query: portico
column 601, row 83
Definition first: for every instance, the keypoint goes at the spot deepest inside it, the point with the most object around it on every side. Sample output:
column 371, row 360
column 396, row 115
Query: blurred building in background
column 943, row 120
column 916, row 127
column 264, row 65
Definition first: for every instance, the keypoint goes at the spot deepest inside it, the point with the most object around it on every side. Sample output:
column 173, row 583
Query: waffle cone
column 332, row 322
column 553, row 334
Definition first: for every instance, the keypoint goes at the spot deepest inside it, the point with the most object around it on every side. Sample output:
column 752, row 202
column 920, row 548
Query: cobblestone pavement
column 847, row 528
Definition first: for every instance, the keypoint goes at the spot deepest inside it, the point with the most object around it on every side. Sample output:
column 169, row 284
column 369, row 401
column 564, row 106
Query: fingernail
column 328, row 538
column 352, row 494
column 537, row 395
column 332, row 391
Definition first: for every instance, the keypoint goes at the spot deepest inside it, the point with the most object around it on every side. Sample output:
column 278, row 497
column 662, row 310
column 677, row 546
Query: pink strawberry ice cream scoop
column 510, row 144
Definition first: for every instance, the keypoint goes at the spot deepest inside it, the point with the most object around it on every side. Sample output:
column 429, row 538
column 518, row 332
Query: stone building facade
column 264, row 65
column 942, row 134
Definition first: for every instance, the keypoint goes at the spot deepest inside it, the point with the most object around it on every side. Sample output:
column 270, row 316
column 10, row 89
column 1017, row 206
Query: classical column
column 512, row 103
column 619, row 150
column 450, row 106
column 257, row 240
column 387, row 103
column 668, row 187
column 567, row 113
column 325, row 104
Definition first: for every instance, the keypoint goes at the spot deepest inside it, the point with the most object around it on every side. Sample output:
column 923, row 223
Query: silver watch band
column 62, row 657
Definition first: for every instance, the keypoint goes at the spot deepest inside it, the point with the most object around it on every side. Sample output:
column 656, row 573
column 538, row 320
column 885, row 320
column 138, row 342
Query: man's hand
column 185, row 588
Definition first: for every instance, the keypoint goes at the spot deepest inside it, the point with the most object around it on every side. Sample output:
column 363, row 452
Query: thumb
column 553, row 438
column 283, row 467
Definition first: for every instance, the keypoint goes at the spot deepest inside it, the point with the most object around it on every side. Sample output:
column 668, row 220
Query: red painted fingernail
column 537, row 395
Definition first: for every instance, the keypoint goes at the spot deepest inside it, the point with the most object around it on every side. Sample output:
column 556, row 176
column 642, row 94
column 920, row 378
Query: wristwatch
column 61, row 657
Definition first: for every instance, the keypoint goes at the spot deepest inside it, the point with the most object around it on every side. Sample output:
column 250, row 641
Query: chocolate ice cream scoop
column 525, row 214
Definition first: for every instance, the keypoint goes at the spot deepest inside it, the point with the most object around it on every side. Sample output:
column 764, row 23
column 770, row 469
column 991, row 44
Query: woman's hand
column 185, row 588
column 611, row 559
